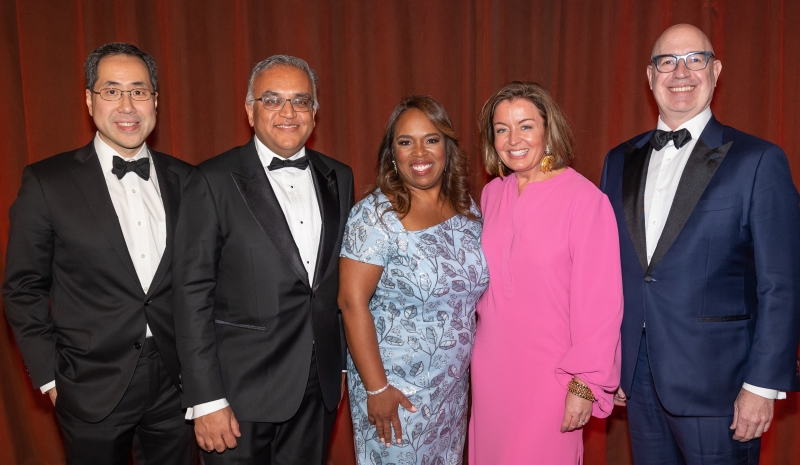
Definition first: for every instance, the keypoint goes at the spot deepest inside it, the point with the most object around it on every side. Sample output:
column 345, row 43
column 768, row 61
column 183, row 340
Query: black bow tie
column 660, row 138
column 140, row 167
column 278, row 163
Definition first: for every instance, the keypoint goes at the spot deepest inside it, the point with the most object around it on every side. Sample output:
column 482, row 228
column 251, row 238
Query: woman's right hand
column 382, row 411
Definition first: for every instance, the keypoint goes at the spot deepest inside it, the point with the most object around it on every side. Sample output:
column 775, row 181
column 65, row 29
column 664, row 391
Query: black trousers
column 150, row 409
column 301, row 440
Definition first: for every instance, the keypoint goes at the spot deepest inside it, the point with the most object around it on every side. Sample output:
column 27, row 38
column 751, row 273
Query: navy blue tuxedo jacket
column 721, row 293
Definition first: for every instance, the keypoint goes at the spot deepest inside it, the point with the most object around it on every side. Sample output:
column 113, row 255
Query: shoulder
column 749, row 142
column 223, row 161
column 58, row 164
column 630, row 144
column 175, row 164
column 340, row 168
column 584, row 193
column 493, row 187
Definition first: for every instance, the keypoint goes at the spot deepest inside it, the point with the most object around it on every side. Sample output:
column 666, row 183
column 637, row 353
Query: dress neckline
column 383, row 198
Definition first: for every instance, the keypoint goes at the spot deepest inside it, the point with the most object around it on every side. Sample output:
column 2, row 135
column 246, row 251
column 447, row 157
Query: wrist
column 580, row 389
column 378, row 391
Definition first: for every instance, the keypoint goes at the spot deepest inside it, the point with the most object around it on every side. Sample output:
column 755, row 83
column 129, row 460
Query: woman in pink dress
column 547, row 347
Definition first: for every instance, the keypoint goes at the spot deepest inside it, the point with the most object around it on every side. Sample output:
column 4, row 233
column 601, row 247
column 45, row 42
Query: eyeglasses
column 694, row 61
column 273, row 103
column 112, row 94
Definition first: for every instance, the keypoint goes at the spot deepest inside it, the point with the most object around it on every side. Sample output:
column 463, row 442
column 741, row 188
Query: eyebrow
column 426, row 135
column 115, row 83
column 296, row 95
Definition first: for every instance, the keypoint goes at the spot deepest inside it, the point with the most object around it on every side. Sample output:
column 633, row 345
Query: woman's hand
column 382, row 411
column 577, row 412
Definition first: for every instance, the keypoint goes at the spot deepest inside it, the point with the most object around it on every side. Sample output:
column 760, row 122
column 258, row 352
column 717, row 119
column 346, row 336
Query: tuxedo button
column 137, row 345
column 147, row 304
column 648, row 279
column 313, row 294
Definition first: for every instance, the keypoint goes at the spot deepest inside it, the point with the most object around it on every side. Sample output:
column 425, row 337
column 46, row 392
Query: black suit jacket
column 71, row 292
column 246, row 315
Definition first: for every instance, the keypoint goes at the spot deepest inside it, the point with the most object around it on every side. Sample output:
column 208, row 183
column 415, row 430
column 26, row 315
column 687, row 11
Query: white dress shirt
column 297, row 197
column 141, row 216
column 663, row 175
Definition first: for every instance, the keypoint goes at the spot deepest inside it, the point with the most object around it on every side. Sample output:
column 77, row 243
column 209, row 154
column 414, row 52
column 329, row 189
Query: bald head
column 682, row 35
column 683, row 93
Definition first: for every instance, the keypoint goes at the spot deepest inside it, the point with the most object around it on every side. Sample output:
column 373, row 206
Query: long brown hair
column 558, row 135
column 455, row 184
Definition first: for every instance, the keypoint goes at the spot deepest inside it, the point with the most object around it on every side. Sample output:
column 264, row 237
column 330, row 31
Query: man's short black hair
column 118, row 48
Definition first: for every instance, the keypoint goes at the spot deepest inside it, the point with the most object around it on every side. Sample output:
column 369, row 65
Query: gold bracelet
column 581, row 390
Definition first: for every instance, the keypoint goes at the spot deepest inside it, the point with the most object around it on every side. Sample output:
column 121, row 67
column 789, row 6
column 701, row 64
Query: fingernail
column 382, row 440
column 413, row 409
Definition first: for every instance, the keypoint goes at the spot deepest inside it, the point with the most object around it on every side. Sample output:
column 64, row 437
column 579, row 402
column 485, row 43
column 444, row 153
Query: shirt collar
column 266, row 155
column 106, row 154
column 694, row 125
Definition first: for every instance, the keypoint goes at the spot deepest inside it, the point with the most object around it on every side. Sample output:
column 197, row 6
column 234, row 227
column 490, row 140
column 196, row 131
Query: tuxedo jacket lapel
column 703, row 162
column 327, row 189
column 89, row 177
column 255, row 189
column 634, row 176
column 169, row 186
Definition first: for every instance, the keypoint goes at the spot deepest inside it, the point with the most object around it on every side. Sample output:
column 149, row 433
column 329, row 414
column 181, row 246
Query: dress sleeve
column 367, row 238
column 595, row 302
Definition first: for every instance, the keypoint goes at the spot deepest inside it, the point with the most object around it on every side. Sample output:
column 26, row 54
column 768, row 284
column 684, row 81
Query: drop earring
column 395, row 166
column 546, row 165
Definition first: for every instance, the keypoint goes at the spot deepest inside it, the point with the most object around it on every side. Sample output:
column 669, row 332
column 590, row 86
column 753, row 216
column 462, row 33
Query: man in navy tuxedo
column 709, row 227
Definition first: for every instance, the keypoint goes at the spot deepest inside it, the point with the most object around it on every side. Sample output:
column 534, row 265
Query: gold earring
column 501, row 169
column 546, row 165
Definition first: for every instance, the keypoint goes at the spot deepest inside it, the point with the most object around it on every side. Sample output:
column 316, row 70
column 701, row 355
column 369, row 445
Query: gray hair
column 118, row 48
column 282, row 60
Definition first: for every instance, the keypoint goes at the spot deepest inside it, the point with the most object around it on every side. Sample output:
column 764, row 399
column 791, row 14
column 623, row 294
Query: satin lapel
column 327, row 190
column 700, row 168
column 255, row 189
column 634, row 176
column 90, row 180
column 170, row 188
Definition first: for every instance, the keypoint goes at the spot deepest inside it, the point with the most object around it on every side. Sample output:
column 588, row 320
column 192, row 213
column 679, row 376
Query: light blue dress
column 424, row 314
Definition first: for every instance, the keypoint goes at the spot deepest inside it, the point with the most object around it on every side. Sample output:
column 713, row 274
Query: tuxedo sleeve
column 774, row 219
column 28, row 278
column 350, row 202
column 196, row 255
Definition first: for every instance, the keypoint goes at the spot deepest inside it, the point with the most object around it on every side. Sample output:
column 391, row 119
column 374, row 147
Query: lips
column 518, row 153
column 421, row 168
column 127, row 126
column 287, row 127
column 681, row 89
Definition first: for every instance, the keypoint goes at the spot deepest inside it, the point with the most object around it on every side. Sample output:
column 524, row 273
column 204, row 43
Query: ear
column 155, row 100
column 248, row 107
column 313, row 118
column 717, row 71
column 650, row 76
column 89, row 101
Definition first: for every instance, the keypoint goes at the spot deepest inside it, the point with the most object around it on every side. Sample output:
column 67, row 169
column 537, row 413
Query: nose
column 125, row 103
column 513, row 137
column 287, row 111
column 681, row 70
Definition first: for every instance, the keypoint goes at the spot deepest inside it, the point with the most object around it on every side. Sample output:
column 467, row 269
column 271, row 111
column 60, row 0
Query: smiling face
column 284, row 131
column 419, row 151
column 123, row 124
column 683, row 94
column 519, row 135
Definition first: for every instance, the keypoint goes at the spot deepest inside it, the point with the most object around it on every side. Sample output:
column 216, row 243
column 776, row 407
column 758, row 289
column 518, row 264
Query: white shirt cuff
column 204, row 409
column 764, row 392
column 48, row 386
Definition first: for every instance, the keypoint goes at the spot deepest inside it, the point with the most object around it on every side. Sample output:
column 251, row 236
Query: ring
column 581, row 422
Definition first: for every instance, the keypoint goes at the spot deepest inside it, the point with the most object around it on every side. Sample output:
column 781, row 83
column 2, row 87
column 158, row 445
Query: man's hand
column 217, row 430
column 53, row 394
column 752, row 415
column 620, row 399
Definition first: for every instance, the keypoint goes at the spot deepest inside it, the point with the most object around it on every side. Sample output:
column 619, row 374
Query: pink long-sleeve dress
column 552, row 311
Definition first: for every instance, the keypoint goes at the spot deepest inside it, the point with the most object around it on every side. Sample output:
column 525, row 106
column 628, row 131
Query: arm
column 595, row 303
column 28, row 278
column 197, row 247
column 775, row 226
column 357, row 283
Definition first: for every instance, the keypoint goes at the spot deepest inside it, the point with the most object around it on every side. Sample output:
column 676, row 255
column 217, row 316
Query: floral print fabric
column 424, row 314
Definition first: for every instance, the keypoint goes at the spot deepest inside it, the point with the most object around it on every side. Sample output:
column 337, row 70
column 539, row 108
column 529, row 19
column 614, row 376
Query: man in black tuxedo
column 258, row 327
column 87, row 288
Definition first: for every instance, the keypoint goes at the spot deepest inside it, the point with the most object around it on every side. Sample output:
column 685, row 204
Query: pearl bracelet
column 374, row 393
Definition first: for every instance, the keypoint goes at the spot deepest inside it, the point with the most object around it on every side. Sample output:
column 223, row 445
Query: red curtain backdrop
column 591, row 54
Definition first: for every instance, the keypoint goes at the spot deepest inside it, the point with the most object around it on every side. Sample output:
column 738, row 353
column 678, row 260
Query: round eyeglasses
column 273, row 103
column 112, row 94
column 694, row 61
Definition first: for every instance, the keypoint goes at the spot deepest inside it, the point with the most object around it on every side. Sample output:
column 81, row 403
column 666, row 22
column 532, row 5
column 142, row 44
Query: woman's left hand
column 577, row 412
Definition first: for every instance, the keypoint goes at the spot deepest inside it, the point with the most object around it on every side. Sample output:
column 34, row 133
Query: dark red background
column 591, row 54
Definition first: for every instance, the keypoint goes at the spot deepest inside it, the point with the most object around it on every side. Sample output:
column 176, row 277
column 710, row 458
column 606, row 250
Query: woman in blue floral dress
column 411, row 272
